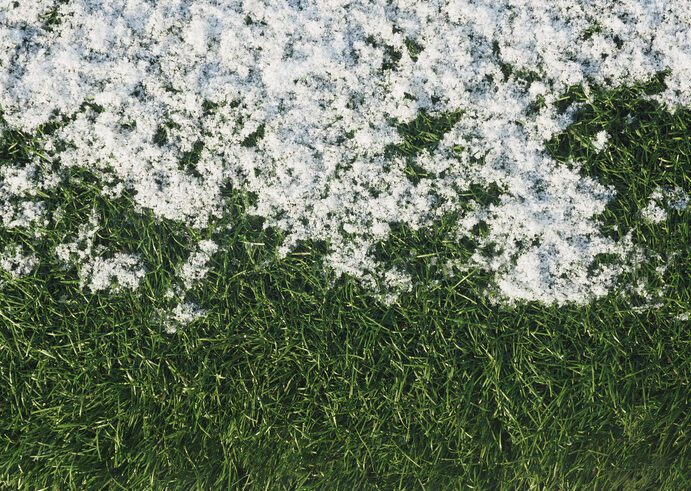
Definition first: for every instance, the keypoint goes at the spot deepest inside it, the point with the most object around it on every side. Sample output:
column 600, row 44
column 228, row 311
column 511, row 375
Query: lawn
column 276, row 371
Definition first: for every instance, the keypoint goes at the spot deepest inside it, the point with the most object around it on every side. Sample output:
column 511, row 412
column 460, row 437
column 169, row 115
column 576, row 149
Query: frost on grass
column 299, row 102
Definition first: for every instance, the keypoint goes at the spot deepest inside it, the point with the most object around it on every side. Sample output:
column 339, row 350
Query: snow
column 600, row 141
column 196, row 266
column 98, row 268
column 661, row 201
column 16, row 261
column 123, row 270
column 182, row 315
column 318, row 81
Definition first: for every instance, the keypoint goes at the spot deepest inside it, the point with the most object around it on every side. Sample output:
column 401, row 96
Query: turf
column 296, row 380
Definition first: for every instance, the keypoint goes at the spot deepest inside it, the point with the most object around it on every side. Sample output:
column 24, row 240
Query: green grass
column 296, row 381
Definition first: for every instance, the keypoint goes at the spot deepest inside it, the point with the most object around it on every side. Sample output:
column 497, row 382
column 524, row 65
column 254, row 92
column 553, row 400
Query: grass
column 296, row 381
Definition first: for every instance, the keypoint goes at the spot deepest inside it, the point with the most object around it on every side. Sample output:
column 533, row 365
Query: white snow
column 661, row 201
column 17, row 261
column 170, row 74
column 123, row 270
column 99, row 269
column 196, row 266
column 600, row 141
column 180, row 316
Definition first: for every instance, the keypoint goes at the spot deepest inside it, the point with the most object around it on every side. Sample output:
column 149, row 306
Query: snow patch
column 298, row 103
column 196, row 266
column 600, row 140
column 16, row 261
column 661, row 201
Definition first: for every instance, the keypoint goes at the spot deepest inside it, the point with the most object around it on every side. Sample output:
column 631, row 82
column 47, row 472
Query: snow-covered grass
column 287, row 377
column 393, row 245
column 300, row 104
